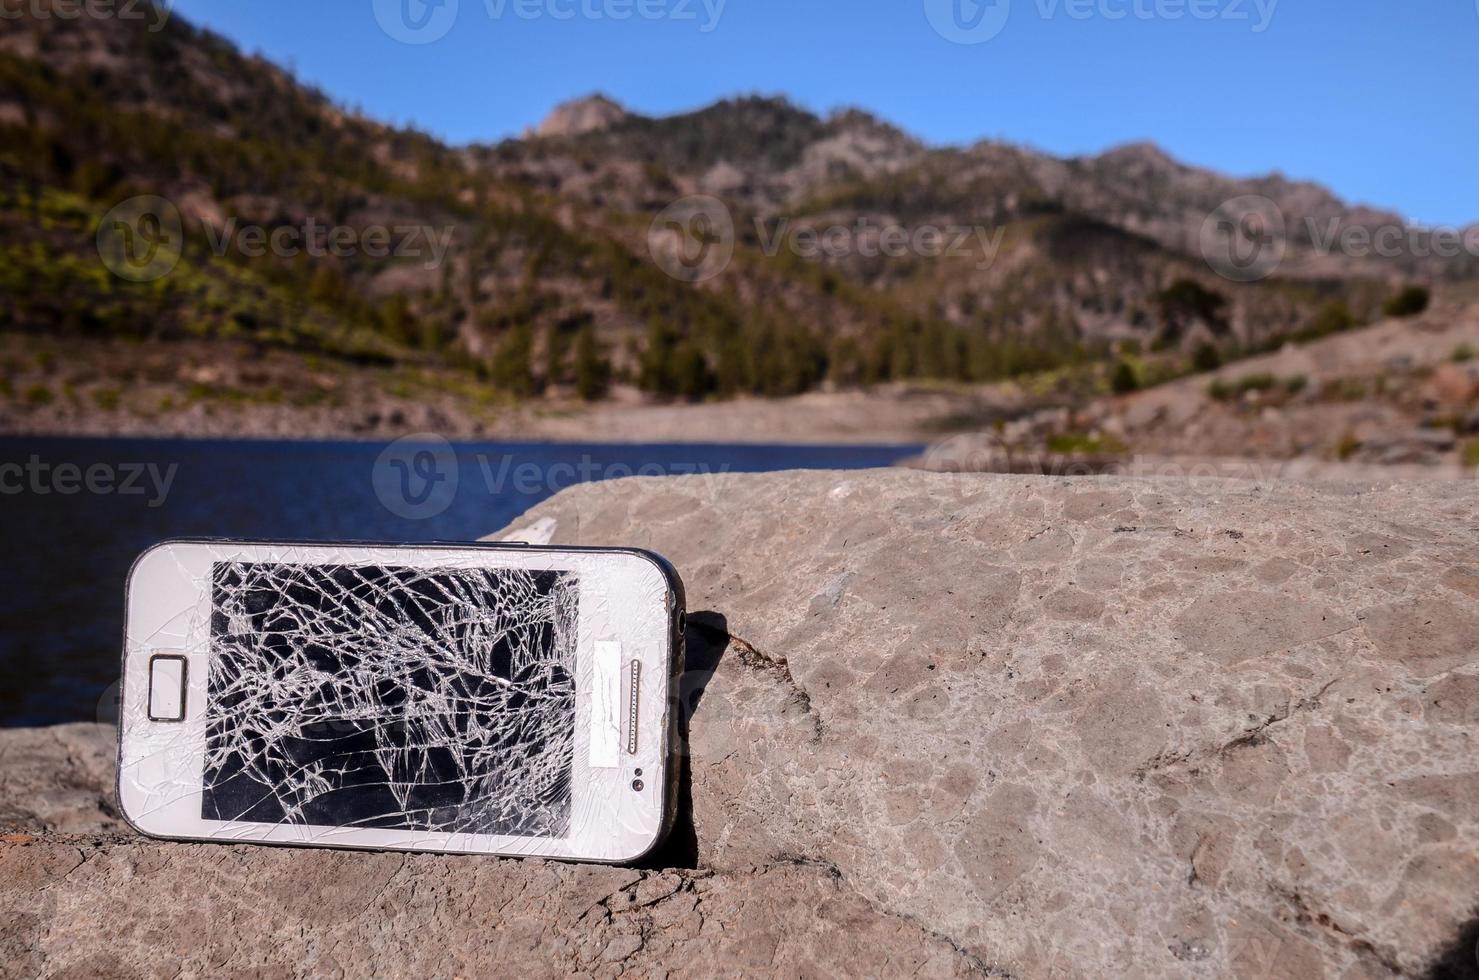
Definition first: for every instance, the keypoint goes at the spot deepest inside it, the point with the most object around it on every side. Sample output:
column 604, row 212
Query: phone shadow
column 1460, row 961
column 704, row 642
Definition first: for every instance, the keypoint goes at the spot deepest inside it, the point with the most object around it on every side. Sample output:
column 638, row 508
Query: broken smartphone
column 482, row 699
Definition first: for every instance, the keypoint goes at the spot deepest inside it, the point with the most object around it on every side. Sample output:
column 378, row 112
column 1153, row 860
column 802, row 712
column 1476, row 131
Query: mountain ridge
column 553, row 279
column 1143, row 153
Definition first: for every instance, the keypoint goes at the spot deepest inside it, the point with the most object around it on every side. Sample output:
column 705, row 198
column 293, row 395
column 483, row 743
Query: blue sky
column 1377, row 99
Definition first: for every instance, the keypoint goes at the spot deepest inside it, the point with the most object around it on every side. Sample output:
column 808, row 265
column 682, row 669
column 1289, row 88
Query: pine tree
column 592, row 367
column 512, row 369
column 554, row 354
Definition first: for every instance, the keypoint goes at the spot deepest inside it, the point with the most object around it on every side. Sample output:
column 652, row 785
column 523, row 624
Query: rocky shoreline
column 938, row 724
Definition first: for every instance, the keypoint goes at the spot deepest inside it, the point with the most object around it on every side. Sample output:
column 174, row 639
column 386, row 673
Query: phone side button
column 167, row 687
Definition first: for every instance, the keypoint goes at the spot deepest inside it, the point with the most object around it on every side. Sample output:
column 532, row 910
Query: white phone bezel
column 624, row 596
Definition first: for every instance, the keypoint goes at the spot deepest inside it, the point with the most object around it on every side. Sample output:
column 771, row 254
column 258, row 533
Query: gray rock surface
column 1009, row 726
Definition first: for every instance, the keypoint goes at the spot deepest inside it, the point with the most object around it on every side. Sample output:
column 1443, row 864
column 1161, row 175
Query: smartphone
column 478, row 699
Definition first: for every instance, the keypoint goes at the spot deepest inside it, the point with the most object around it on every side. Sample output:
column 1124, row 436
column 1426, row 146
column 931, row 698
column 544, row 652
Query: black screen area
column 400, row 698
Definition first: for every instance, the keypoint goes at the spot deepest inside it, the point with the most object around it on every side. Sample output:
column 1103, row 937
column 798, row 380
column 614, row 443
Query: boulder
column 939, row 724
column 1453, row 385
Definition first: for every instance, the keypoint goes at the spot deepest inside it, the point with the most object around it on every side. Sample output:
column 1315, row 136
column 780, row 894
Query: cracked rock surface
column 939, row 725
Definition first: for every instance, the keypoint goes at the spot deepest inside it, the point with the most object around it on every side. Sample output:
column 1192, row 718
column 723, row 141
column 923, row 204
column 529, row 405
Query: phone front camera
column 637, row 785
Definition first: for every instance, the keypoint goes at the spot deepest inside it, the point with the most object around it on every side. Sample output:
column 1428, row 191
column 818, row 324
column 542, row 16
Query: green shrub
column 1409, row 302
column 1471, row 453
column 1344, row 390
column 1124, row 379
column 592, row 367
column 512, row 369
column 1186, row 301
column 1463, row 352
column 1206, row 358
column 1223, row 391
column 106, row 399
column 1333, row 317
column 38, row 394
column 1083, row 444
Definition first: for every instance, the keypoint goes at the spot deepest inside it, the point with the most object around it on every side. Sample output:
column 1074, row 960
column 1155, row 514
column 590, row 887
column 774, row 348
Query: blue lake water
column 74, row 513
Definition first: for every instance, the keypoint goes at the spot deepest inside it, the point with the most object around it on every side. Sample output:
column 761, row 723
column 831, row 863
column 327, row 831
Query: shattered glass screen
column 433, row 700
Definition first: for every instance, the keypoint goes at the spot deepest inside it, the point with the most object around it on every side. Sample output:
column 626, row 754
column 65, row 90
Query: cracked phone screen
column 431, row 700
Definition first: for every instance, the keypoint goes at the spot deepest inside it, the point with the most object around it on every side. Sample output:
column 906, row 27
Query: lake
column 76, row 512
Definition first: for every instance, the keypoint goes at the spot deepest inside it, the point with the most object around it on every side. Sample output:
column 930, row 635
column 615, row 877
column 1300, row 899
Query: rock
column 986, row 725
column 59, row 779
column 579, row 116
column 1425, row 446
column 1453, row 385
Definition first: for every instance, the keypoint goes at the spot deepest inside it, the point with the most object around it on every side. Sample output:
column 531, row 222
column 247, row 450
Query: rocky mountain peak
column 578, row 116
column 1140, row 154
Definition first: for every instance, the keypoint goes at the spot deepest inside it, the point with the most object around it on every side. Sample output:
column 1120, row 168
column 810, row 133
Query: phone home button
column 167, row 673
